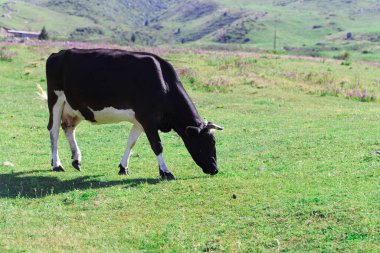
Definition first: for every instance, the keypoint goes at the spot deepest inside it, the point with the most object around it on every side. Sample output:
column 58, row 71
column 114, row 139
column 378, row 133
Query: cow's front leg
column 133, row 136
column 155, row 143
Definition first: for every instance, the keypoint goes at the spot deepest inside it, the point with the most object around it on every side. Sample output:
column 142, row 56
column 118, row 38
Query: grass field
column 294, row 154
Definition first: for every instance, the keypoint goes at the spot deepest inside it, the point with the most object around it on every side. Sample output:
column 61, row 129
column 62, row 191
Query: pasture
column 296, row 172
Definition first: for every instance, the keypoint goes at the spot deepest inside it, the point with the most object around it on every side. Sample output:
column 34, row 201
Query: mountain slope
column 305, row 27
column 24, row 16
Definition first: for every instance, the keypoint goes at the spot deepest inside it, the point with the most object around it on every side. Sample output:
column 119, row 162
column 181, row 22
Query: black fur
column 76, row 164
column 58, row 169
column 166, row 175
column 143, row 82
column 123, row 171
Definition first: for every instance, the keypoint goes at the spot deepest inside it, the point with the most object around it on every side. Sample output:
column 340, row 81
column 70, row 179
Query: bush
column 133, row 38
column 5, row 55
column 43, row 35
column 315, row 54
column 361, row 95
column 344, row 56
column 346, row 63
column 278, row 52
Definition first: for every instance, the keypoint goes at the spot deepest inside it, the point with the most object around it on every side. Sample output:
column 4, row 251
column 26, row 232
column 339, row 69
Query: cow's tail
column 41, row 93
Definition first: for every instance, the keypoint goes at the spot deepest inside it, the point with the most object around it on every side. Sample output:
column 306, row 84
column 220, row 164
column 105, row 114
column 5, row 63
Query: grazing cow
column 109, row 86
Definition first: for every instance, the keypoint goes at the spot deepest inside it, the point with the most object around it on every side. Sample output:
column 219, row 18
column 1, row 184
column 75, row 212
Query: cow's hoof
column 58, row 169
column 166, row 175
column 123, row 171
column 76, row 164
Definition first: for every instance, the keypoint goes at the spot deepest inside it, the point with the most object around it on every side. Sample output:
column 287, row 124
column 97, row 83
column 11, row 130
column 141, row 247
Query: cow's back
column 93, row 80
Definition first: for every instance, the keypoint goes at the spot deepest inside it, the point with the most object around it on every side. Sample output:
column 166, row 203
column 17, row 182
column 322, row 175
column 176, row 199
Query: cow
column 110, row 86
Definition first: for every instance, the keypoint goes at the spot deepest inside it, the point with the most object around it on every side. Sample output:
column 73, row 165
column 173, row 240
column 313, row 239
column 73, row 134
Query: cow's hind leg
column 55, row 121
column 133, row 136
column 68, row 125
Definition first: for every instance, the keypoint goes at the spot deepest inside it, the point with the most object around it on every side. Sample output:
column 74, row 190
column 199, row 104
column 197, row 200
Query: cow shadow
column 27, row 185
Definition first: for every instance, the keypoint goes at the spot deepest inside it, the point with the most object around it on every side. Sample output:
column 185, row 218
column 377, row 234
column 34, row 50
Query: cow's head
column 200, row 141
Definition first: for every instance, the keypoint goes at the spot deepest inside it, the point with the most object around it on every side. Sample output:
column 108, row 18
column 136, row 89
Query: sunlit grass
column 295, row 170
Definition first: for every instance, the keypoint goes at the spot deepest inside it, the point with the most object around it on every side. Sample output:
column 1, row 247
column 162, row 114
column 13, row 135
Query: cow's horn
column 211, row 125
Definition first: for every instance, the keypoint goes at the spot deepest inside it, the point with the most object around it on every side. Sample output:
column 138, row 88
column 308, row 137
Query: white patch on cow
column 54, row 131
column 162, row 164
column 133, row 136
column 112, row 115
column 63, row 112
column 70, row 136
column 59, row 93
column 68, row 112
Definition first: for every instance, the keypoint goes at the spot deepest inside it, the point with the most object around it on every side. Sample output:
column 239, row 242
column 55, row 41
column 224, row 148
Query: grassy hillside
column 24, row 16
column 303, row 27
column 296, row 172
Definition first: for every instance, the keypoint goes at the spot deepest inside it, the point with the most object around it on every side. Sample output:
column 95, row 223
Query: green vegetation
column 295, row 170
column 43, row 35
column 24, row 16
column 316, row 28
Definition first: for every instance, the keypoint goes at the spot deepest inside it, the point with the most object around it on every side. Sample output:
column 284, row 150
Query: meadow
column 297, row 173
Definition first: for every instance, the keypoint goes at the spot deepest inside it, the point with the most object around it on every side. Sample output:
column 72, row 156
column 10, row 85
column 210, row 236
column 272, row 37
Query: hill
column 326, row 27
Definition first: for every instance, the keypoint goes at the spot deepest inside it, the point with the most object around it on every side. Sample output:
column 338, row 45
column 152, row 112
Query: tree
column 133, row 38
column 43, row 35
column 178, row 32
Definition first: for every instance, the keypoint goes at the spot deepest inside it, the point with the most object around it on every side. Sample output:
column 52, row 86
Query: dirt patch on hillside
column 237, row 31
column 196, row 9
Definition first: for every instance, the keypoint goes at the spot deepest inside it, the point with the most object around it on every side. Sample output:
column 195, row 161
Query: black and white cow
column 109, row 86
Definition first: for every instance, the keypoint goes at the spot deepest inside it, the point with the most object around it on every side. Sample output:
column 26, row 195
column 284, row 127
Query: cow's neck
column 184, row 113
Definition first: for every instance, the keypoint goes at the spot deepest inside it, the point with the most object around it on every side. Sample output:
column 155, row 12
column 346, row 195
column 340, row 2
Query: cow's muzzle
column 212, row 170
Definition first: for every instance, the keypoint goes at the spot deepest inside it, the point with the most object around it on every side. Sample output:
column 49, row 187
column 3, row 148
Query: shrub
column 219, row 84
column 315, row 54
column 277, row 52
column 5, row 55
column 330, row 91
column 344, row 56
column 186, row 73
column 133, row 38
column 346, row 63
column 361, row 95
column 43, row 35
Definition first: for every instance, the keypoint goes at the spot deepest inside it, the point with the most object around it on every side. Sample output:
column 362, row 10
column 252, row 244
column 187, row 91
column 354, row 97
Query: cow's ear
column 192, row 131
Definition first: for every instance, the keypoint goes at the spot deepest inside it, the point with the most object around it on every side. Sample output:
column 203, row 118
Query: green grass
column 296, row 161
column 25, row 16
